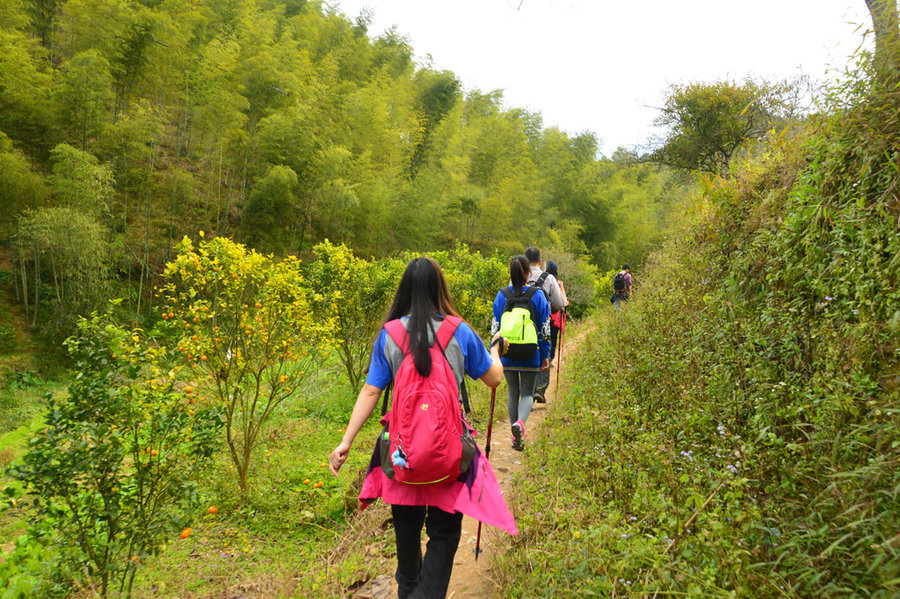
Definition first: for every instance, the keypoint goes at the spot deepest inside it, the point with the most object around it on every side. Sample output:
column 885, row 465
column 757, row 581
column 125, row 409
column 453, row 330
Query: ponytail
column 518, row 272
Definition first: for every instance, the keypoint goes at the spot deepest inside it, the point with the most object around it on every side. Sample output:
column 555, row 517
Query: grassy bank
column 734, row 431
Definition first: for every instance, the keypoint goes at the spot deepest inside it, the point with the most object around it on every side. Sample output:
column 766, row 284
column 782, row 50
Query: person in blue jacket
column 520, row 374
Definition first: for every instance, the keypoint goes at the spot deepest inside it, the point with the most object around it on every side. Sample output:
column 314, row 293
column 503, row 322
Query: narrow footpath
column 471, row 579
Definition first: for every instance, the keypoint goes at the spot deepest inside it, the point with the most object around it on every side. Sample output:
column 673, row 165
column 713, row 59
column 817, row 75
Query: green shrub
column 473, row 280
column 112, row 473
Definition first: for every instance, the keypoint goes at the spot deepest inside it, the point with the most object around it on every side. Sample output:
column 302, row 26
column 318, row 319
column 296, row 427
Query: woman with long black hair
column 423, row 307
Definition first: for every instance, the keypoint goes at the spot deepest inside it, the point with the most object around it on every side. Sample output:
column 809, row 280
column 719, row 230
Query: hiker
column 547, row 283
column 522, row 361
column 423, row 313
column 556, row 316
column 621, row 286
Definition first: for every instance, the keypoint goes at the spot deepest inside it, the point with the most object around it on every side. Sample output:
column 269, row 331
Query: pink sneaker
column 518, row 435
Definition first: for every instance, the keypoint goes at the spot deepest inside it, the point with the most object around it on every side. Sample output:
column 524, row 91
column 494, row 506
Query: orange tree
column 112, row 472
column 243, row 324
column 354, row 294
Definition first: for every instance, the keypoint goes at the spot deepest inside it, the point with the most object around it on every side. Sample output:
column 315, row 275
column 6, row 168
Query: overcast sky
column 601, row 65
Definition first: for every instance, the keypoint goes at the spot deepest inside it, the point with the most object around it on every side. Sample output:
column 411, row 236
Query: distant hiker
column 435, row 350
column 621, row 286
column 555, row 316
column 546, row 282
column 522, row 317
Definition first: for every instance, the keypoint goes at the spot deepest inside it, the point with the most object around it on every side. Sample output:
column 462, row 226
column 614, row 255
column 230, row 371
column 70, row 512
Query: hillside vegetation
column 734, row 432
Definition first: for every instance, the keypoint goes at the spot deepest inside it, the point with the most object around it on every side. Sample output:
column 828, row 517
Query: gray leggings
column 519, row 384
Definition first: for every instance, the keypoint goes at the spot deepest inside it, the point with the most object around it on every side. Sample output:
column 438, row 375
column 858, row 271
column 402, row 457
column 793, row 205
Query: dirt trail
column 471, row 579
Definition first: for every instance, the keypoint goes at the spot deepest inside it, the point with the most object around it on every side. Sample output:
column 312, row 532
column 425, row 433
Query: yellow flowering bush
column 354, row 295
column 244, row 325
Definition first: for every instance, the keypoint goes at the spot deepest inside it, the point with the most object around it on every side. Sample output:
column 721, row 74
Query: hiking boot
column 518, row 435
column 539, row 396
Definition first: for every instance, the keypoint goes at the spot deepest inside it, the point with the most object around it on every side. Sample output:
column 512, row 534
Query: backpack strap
column 464, row 396
column 397, row 332
column 508, row 293
column 385, row 399
column 446, row 330
column 442, row 339
column 541, row 280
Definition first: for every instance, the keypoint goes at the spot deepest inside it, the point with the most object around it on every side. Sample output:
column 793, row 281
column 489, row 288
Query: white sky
column 599, row 65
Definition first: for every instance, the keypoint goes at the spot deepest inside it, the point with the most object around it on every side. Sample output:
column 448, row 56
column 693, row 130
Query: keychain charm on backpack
column 398, row 458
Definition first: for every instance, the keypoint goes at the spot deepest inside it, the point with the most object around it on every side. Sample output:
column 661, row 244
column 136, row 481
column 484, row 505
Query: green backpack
column 517, row 324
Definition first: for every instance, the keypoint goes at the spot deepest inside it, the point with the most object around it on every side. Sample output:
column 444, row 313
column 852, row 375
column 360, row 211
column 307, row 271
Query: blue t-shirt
column 465, row 352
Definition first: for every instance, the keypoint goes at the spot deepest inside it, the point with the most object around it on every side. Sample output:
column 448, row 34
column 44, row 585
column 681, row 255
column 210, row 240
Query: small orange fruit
column 154, row 452
column 317, row 485
column 185, row 533
column 212, row 509
column 305, row 481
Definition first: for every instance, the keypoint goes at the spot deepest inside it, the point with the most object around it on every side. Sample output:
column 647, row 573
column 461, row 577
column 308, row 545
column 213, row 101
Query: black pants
column 427, row 578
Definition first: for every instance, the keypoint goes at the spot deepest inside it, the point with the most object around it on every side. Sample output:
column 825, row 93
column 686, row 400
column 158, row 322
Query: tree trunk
column 12, row 260
column 145, row 265
column 37, row 285
column 24, row 283
column 887, row 39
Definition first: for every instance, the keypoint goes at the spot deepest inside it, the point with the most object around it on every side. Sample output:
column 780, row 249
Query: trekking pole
column 562, row 330
column 487, row 452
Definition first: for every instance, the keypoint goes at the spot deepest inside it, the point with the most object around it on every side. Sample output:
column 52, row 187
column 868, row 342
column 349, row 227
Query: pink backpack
column 422, row 442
